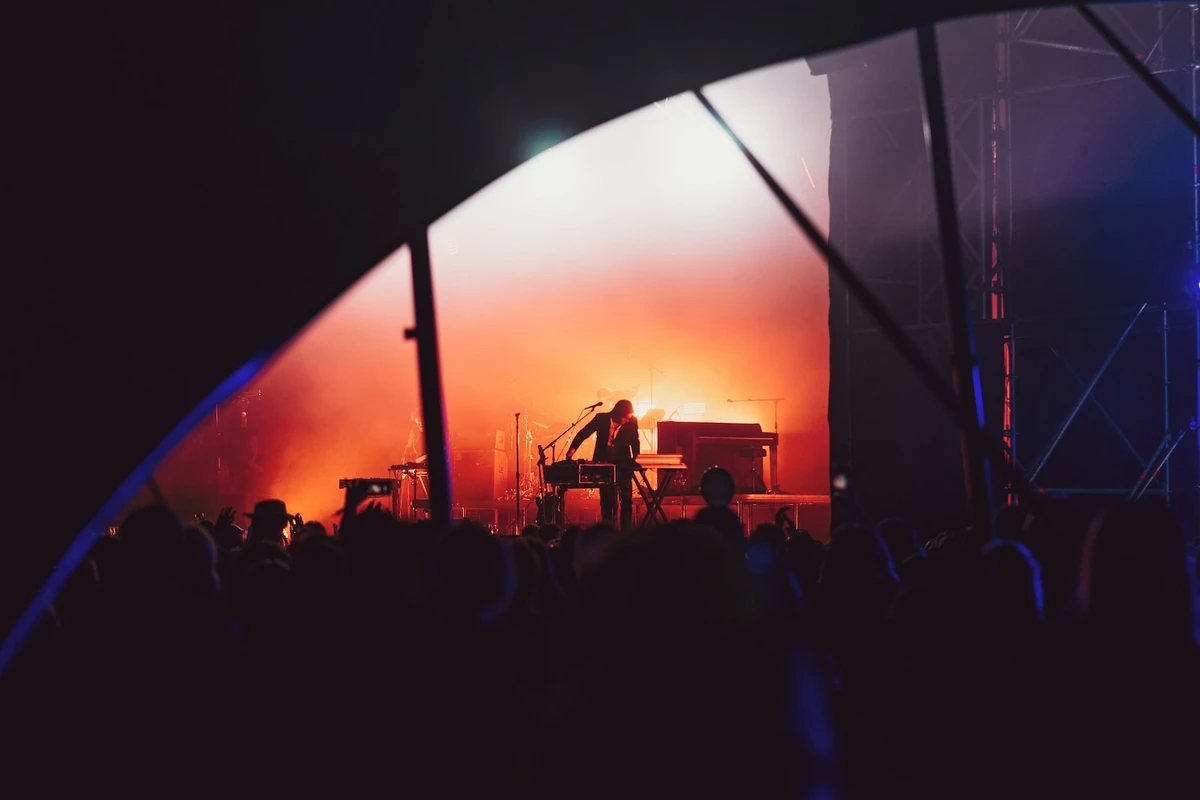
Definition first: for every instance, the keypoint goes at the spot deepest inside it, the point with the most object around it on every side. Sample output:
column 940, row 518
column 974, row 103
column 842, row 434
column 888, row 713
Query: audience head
column 152, row 544
column 528, row 576
column 857, row 581
column 198, row 571
column 725, row 522
column 772, row 536
column 1010, row 523
column 900, row 537
column 1015, row 582
column 717, row 487
column 310, row 531
column 857, row 552
column 593, row 545
column 269, row 520
column 475, row 577
column 1054, row 532
column 1135, row 582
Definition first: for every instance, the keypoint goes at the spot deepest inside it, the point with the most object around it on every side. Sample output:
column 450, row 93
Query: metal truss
column 1150, row 468
column 980, row 130
column 968, row 124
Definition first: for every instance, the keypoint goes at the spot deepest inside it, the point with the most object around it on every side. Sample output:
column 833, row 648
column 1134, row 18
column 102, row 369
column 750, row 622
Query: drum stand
column 529, row 480
column 523, row 463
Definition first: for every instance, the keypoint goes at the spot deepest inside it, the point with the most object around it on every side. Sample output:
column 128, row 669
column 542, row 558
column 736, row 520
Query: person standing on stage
column 617, row 442
column 414, row 449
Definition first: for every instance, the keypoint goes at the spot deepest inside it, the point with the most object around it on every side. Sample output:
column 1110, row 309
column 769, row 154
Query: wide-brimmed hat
column 267, row 510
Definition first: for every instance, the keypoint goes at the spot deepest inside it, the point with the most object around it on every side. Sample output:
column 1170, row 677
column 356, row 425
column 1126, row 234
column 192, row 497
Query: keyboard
column 661, row 461
column 579, row 474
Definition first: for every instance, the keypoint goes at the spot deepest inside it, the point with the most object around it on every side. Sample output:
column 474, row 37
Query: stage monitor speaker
column 480, row 476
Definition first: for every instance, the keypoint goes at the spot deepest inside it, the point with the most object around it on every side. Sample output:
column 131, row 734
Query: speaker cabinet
column 480, row 476
column 745, row 464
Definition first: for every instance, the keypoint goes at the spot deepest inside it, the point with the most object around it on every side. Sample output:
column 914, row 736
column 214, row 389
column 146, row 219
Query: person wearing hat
column 269, row 522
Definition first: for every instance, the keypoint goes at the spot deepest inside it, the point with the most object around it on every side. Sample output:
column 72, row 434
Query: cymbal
column 544, row 436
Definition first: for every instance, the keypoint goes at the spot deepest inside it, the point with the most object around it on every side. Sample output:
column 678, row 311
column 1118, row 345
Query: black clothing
column 625, row 448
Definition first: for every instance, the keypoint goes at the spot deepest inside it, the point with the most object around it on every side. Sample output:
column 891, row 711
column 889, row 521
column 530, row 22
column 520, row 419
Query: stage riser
column 809, row 512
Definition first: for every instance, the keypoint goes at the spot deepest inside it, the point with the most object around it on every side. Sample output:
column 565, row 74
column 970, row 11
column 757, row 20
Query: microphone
column 594, row 405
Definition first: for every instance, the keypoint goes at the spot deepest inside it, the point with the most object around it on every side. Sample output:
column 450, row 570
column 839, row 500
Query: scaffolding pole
column 967, row 388
column 1010, row 408
column 1194, row 11
column 1167, row 432
column 1161, row 461
column 1000, row 230
column 1083, row 398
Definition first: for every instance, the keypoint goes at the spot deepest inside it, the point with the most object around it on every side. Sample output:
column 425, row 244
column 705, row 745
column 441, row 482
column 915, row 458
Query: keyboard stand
column 653, row 496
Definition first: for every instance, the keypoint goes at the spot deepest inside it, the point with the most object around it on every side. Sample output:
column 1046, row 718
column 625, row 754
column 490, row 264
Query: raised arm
column 584, row 434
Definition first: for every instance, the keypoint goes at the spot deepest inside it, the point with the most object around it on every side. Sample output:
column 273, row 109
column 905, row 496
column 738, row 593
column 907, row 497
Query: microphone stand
column 517, row 443
column 553, row 444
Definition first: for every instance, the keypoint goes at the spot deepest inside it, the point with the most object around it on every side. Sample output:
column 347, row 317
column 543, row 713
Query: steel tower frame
column 980, row 128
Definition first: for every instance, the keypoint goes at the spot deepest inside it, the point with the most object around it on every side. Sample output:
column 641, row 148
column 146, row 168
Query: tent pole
column 429, row 369
column 958, row 303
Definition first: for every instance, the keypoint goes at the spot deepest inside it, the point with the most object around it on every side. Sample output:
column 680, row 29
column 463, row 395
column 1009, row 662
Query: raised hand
column 226, row 517
column 784, row 520
column 356, row 493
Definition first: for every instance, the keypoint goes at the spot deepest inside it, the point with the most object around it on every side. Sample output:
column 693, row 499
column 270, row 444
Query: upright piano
column 736, row 446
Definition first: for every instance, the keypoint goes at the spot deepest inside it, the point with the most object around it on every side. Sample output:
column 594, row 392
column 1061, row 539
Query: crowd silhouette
column 694, row 659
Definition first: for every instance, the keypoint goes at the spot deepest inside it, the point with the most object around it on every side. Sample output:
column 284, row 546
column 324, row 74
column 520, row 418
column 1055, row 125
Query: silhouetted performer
column 616, row 443
column 414, row 449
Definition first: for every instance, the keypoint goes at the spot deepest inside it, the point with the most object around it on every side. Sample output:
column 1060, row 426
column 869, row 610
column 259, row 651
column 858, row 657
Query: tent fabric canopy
column 196, row 186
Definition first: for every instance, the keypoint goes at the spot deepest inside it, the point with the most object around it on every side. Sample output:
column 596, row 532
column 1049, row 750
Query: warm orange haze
column 643, row 257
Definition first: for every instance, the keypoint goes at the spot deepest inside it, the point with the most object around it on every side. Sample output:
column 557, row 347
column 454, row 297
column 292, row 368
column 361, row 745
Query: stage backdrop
column 643, row 257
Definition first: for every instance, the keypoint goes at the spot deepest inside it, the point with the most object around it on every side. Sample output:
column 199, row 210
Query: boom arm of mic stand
column 568, row 430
